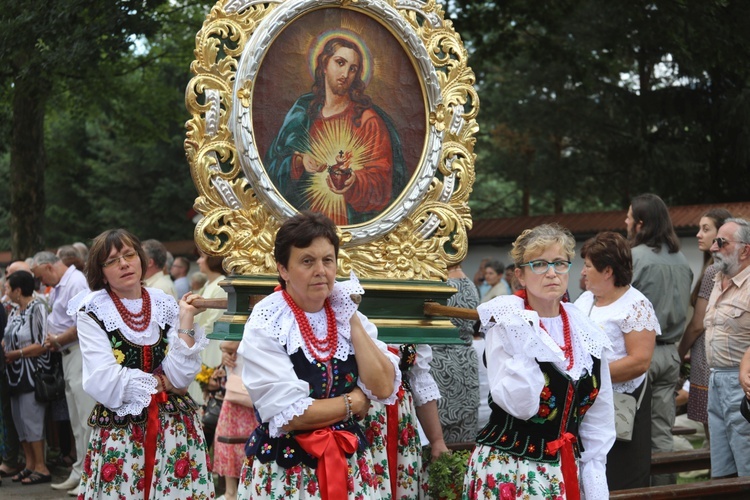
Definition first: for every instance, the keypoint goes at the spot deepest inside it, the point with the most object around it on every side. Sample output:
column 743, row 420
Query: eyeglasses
column 127, row 257
column 542, row 266
column 721, row 242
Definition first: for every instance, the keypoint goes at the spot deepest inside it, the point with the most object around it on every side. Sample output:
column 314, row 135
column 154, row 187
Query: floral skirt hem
column 495, row 474
column 114, row 466
column 270, row 481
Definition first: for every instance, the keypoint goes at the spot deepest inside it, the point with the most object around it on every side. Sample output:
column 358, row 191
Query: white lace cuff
column 281, row 419
column 593, row 480
column 424, row 388
column 396, row 383
column 137, row 393
column 180, row 349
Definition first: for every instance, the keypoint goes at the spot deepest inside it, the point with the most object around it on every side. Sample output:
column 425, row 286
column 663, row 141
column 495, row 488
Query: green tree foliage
column 585, row 104
column 107, row 79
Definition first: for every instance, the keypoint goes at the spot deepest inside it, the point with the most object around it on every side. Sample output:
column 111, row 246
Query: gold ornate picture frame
column 253, row 62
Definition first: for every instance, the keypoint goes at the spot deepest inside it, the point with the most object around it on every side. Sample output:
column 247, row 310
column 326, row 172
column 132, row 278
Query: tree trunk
column 27, row 164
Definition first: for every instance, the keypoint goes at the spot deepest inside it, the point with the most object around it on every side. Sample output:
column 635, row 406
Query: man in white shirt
column 155, row 277
column 62, row 336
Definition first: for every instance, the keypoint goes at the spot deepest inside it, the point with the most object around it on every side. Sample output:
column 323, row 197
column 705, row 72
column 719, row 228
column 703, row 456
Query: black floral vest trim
column 284, row 450
column 130, row 355
column 528, row 438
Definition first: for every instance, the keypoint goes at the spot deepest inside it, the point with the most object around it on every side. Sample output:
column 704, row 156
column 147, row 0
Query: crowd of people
column 538, row 384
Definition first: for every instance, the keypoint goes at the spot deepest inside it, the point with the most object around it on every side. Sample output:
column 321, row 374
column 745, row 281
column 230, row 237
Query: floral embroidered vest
column 146, row 358
column 562, row 404
column 338, row 376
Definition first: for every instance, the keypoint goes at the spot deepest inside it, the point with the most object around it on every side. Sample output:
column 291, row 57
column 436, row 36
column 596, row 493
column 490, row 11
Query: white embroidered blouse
column 631, row 312
column 127, row 391
column 272, row 335
column 515, row 342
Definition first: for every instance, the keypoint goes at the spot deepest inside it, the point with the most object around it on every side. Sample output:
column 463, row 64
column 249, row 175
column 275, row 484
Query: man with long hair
column 336, row 152
column 662, row 273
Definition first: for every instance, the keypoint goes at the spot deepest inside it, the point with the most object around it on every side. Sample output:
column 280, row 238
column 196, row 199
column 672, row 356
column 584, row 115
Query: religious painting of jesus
column 344, row 137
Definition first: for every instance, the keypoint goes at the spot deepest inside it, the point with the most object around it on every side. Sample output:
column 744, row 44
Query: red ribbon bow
column 567, row 464
column 152, row 430
column 329, row 447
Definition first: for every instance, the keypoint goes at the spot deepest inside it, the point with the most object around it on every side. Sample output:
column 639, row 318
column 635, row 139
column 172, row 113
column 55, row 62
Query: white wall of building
column 688, row 245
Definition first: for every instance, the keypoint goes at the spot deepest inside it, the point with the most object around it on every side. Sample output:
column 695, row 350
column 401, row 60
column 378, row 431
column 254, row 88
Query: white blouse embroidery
column 127, row 391
column 272, row 335
column 632, row 312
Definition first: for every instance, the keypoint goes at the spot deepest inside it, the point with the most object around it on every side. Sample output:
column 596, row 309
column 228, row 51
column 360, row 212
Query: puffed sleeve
column 183, row 363
column 597, row 435
column 123, row 390
column 423, row 385
column 515, row 380
column 269, row 376
column 372, row 331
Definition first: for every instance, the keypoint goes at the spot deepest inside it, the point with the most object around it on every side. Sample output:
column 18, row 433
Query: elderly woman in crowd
column 552, row 420
column 629, row 320
column 311, row 364
column 24, row 355
column 140, row 350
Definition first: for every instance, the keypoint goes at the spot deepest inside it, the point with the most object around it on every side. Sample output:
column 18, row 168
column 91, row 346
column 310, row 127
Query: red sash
column 567, row 464
column 153, row 428
column 329, row 447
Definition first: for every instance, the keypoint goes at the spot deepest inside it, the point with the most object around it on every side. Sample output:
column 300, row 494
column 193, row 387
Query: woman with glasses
column 552, row 420
column 140, row 351
column 629, row 320
column 693, row 339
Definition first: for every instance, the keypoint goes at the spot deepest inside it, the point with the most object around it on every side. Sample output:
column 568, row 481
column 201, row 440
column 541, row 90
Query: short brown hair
column 100, row 250
column 300, row 231
column 610, row 249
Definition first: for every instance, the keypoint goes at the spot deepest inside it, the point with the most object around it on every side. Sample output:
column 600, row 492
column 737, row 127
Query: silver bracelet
column 348, row 405
column 190, row 332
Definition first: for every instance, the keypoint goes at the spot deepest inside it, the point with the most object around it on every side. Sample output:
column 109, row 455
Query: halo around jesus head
column 317, row 46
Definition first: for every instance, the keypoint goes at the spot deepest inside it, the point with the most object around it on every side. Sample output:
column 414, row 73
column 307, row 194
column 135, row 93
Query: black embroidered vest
column 562, row 405
column 146, row 358
column 340, row 378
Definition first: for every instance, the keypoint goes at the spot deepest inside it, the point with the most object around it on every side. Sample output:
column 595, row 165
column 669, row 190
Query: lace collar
column 520, row 332
column 164, row 310
column 272, row 314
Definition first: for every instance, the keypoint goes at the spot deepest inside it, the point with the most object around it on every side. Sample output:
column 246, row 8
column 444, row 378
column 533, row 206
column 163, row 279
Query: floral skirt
column 114, row 466
column 493, row 473
column 410, row 482
column 234, row 420
column 271, row 481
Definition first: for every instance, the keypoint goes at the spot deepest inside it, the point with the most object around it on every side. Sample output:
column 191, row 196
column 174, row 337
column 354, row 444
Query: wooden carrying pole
column 430, row 309
column 435, row 309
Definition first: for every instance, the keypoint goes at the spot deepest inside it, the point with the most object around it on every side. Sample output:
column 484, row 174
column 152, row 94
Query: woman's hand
column 360, row 403
column 187, row 307
column 229, row 353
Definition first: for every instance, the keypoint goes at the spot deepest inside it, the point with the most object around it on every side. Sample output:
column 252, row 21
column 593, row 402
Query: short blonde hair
column 535, row 241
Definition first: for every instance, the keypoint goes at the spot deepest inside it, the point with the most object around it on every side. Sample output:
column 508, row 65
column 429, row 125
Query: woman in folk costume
column 393, row 432
column 552, row 420
column 311, row 366
column 140, row 352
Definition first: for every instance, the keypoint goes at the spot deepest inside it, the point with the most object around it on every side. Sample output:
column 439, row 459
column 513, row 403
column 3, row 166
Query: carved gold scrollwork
column 416, row 240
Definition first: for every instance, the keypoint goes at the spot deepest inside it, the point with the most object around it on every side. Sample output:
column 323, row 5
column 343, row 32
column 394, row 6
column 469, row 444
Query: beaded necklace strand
column 139, row 321
column 317, row 347
column 567, row 347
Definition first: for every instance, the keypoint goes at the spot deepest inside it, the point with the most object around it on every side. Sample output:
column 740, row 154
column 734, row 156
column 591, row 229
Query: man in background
column 62, row 336
column 662, row 273
column 156, row 254
column 727, row 323
column 179, row 273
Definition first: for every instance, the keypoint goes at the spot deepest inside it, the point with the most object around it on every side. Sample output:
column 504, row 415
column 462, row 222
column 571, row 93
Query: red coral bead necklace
column 317, row 347
column 136, row 321
column 567, row 347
